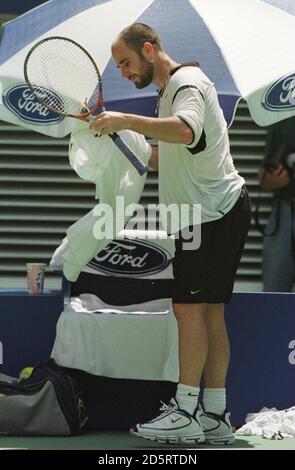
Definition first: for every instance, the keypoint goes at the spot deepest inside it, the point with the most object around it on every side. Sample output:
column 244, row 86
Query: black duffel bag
column 47, row 403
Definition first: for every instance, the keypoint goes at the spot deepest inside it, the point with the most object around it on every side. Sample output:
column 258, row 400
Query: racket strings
column 63, row 76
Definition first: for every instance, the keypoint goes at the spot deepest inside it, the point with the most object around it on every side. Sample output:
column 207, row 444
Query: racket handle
column 134, row 159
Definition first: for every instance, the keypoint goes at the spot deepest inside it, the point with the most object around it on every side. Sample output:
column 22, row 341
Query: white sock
column 214, row 400
column 187, row 397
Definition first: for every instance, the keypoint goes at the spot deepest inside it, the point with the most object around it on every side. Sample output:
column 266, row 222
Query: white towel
column 98, row 160
column 133, row 342
column 270, row 423
column 89, row 303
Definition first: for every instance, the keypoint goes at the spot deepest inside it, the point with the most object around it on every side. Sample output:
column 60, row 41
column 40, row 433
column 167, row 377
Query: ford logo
column 280, row 96
column 22, row 102
column 131, row 258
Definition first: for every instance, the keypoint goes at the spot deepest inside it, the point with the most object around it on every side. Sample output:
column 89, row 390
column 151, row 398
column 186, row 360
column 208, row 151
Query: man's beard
column 146, row 77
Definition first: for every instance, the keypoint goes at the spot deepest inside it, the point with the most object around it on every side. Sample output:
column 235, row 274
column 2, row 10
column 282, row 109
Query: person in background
column 277, row 175
column 195, row 168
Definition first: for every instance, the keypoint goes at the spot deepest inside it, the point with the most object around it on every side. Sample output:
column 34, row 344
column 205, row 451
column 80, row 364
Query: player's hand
column 277, row 179
column 109, row 122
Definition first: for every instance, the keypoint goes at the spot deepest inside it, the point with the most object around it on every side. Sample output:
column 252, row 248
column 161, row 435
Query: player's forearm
column 153, row 161
column 171, row 129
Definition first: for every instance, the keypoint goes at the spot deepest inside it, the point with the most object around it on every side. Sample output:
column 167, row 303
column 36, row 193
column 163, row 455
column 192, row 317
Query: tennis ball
column 26, row 372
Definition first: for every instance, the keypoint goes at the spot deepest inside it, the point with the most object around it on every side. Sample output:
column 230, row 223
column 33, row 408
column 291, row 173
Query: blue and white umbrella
column 244, row 46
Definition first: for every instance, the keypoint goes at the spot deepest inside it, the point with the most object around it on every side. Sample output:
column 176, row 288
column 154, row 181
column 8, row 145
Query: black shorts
column 207, row 274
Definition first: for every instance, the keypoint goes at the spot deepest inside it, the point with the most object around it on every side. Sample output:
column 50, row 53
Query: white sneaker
column 217, row 428
column 173, row 426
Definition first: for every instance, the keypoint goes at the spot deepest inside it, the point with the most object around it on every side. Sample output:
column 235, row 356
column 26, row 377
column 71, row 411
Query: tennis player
column 195, row 167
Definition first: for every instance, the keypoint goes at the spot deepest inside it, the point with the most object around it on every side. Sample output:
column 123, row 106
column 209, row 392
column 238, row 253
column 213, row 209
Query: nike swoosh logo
column 175, row 420
column 196, row 291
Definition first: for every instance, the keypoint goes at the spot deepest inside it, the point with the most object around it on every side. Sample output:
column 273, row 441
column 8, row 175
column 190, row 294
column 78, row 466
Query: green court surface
column 122, row 440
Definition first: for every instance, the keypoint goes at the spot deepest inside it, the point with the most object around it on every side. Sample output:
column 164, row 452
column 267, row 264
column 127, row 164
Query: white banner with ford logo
column 135, row 257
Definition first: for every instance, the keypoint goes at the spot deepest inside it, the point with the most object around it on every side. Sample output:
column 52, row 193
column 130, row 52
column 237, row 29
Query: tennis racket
column 63, row 77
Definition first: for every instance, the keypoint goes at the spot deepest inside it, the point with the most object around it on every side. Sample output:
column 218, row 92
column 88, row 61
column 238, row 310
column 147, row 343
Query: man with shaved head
column 196, row 170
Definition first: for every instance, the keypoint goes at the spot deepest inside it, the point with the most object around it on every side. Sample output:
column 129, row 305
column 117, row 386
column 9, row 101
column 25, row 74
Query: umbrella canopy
column 244, row 46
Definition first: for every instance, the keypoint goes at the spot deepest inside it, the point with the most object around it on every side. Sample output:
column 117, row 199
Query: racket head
column 63, row 76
